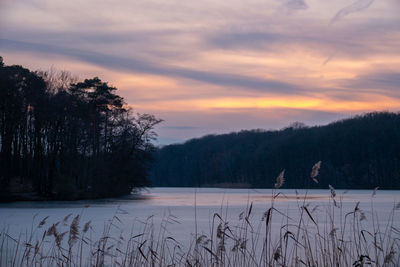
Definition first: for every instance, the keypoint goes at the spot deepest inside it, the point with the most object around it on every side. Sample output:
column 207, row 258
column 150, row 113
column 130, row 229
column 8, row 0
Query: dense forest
column 360, row 152
column 63, row 139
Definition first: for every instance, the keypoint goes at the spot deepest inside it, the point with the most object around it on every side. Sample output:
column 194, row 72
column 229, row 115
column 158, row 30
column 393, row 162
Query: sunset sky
column 218, row 66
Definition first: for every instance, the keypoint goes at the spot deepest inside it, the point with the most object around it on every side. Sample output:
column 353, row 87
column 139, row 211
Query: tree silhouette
column 69, row 141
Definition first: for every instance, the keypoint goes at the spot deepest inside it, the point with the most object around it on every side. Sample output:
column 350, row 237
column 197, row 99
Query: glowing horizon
column 215, row 67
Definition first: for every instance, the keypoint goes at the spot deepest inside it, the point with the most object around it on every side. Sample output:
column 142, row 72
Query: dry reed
column 327, row 236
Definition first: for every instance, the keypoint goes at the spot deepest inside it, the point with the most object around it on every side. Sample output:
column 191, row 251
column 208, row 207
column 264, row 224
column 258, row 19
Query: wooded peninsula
column 64, row 139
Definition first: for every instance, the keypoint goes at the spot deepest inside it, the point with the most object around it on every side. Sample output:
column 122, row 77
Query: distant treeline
column 63, row 139
column 361, row 152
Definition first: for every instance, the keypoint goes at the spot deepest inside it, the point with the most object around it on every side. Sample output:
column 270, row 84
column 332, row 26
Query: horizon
column 277, row 129
column 214, row 68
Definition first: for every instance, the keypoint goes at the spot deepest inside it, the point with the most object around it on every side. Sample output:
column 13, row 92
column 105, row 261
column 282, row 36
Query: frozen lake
column 176, row 225
column 188, row 208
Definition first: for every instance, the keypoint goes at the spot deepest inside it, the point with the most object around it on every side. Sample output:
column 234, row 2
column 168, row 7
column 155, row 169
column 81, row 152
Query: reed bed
column 319, row 236
column 309, row 235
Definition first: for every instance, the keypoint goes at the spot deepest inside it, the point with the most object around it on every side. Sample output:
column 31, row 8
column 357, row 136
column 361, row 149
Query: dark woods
column 62, row 139
column 361, row 152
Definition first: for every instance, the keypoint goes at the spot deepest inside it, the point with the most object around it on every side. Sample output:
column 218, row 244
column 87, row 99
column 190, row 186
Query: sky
column 213, row 66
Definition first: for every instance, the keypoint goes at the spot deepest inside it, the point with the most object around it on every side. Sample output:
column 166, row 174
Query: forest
column 360, row 152
column 64, row 139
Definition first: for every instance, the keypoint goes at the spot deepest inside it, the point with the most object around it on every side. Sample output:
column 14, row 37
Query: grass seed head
column 74, row 230
column 280, row 180
column 315, row 171
column 43, row 222
column 374, row 192
column 86, row 226
column 277, row 254
column 333, row 193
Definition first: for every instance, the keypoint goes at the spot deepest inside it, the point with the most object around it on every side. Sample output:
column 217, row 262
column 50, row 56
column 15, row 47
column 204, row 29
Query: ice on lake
column 191, row 210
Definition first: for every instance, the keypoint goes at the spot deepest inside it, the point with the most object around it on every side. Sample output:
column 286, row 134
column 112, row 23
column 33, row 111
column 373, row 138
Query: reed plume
column 333, row 193
column 280, row 180
column 315, row 171
column 74, row 230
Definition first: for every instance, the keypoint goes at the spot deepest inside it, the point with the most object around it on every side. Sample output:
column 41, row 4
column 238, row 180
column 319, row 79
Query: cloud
column 357, row 6
column 194, row 56
column 181, row 127
column 296, row 4
column 144, row 66
column 315, row 39
column 328, row 59
column 246, row 39
column 382, row 83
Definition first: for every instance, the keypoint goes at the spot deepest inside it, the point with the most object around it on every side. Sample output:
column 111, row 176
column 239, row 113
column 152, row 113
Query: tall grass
column 319, row 236
column 309, row 235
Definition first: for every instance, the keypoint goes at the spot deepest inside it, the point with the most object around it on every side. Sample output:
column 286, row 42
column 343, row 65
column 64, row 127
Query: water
column 191, row 210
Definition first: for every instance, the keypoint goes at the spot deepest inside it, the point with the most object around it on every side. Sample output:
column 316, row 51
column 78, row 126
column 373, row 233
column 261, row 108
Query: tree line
column 64, row 139
column 360, row 152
